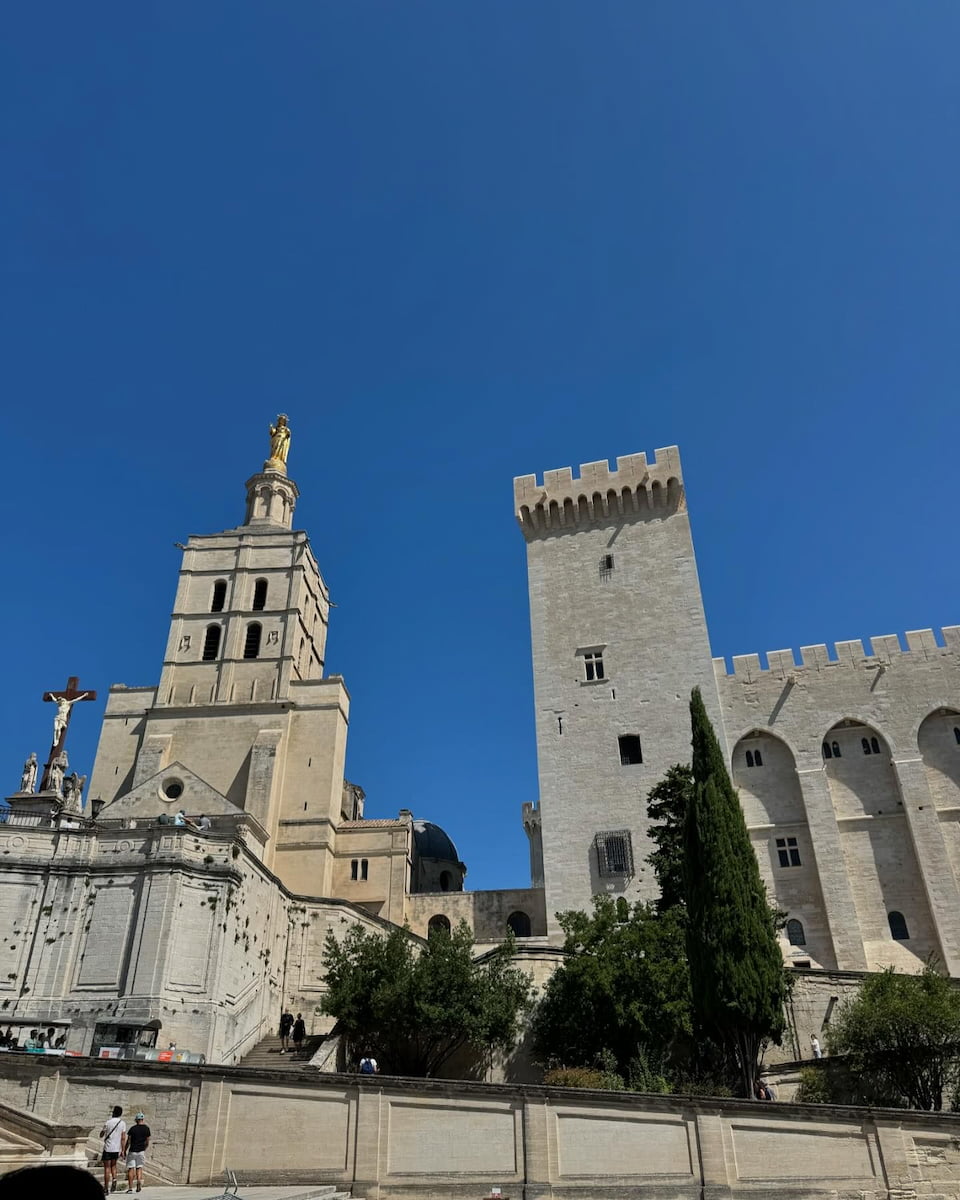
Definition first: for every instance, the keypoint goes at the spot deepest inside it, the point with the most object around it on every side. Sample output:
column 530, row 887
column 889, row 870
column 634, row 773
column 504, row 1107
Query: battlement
column 599, row 495
column 921, row 644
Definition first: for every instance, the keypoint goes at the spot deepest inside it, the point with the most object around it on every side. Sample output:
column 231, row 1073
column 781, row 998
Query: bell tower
column 243, row 703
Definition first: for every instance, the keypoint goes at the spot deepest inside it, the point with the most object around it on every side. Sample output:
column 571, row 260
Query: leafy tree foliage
column 667, row 806
column 901, row 1038
column 623, row 989
column 738, row 981
column 416, row 1007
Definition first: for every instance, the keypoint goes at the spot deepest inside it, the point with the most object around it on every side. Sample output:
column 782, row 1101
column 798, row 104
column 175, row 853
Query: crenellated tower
column 619, row 640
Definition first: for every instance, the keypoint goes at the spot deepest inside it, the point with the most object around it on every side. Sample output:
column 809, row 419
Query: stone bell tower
column 242, row 700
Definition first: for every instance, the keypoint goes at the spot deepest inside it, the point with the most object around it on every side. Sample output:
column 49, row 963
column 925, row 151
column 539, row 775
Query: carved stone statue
column 28, row 780
column 279, row 441
column 73, row 787
column 62, row 715
column 58, row 769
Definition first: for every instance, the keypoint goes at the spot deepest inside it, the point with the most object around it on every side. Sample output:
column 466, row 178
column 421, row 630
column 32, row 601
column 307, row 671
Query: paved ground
column 302, row 1191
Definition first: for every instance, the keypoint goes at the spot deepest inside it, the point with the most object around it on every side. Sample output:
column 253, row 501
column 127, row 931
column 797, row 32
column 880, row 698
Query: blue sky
column 457, row 243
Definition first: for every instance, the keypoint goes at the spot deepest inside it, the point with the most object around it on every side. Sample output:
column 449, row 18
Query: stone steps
column 266, row 1055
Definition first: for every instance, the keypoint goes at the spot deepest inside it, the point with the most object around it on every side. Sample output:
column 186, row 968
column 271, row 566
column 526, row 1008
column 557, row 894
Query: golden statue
column 279, row 443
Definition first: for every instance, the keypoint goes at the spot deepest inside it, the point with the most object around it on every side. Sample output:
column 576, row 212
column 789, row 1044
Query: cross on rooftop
column 64, row 700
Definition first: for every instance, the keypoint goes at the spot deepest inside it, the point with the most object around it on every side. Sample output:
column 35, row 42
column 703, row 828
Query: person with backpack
column 113, row 1131
column 299, row 1033
column 368, row 1065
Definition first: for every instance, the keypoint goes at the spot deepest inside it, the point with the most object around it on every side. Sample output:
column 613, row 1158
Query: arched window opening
column 835, row 747
column 519, row 924
column 898, row 927
column 757, row 758
column 795, row 934
column 445, row 881
column 211, row 643
column 364, row 868
column 438, row 924
column 749, row 758
column 251, row 643
column 826, row 751
column 260, row 595
column 865, row 745
column 875, row 745
column 355, row 868
column 219, row 597
column 956, row 734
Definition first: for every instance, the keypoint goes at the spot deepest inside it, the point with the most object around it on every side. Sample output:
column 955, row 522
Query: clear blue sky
column 456, row 243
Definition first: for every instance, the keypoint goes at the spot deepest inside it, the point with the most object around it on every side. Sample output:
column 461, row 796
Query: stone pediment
column 170, row 789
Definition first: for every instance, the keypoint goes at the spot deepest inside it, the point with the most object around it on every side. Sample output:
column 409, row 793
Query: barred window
column 614, row 852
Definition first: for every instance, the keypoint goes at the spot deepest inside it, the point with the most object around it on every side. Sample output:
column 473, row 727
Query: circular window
column 171, row 789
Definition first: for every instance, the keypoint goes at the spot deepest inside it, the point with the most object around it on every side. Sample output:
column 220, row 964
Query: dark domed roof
column 432, row 842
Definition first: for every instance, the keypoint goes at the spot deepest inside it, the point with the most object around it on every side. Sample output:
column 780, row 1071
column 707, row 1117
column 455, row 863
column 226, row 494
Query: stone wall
column 391, row 1138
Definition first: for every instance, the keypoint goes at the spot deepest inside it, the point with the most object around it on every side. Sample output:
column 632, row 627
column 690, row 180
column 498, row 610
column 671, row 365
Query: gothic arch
column 877, row 845
column 939, row 746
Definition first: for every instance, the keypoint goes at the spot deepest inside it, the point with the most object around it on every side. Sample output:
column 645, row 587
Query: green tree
column 667, row 806
column 901, row 1038
column 737, row 977
column 417, row 1005
column 622, row 990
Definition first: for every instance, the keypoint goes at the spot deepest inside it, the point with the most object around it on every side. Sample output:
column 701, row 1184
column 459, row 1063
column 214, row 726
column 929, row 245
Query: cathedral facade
column 189, row 900
column 847, row 761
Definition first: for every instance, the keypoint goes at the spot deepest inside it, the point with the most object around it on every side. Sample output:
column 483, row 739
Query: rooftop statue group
column 54, row 779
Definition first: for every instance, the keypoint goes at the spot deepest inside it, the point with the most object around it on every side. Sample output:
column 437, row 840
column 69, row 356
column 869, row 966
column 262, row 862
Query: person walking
column 137, row 1140
column 815, row 1046
column 299, row 1033
column 112, row 1133
column 286, row 1025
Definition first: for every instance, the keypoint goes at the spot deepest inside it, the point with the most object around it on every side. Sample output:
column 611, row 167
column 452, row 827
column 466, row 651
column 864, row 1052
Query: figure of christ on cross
column 64, row 701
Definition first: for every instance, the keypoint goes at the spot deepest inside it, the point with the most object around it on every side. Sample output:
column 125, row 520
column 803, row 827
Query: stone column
column 536, row 1148
column 370, row 1150
column 943, row 897
column 713, row 1159
column 841, row 911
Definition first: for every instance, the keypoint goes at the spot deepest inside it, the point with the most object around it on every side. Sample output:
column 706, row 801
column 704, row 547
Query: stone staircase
column 266, row 1055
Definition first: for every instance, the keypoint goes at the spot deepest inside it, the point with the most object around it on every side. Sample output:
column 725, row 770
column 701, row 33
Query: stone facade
column 847, row 762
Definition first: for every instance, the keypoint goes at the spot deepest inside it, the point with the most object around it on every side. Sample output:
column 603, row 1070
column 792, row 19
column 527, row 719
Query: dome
column 431, row 842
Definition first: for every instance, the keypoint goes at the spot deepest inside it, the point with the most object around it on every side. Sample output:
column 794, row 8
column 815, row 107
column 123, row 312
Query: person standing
column 815, row 1046
column 299, row 1033
column 369, row 1065
column 286, row 1025
column 112, row 1133
column 137, row 1140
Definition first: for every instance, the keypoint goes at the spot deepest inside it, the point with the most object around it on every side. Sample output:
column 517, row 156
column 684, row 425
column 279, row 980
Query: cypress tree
column 737, row 976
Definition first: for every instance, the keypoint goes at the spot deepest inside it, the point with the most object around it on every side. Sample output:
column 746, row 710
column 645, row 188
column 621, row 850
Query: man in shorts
column 112, row 1133
column 137, row 1141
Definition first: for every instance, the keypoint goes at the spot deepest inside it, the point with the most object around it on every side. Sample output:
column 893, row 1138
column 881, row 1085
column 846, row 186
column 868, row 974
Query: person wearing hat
column 137, row 1140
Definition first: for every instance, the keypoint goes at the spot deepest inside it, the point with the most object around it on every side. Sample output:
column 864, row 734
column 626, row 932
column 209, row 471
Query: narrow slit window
column 749, row 758
column 875, row 745
column 826, row 751
column 211, row 643
column 219, row 597
column 956, row 734
column 835, row 746
column 865, row 745
column 355, row 868
column 260, row 595
column 630, row 750
column 251, row 643
column 364, row 868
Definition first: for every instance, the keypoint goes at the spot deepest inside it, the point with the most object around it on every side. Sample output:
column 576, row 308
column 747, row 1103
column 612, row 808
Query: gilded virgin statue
column 279, row 441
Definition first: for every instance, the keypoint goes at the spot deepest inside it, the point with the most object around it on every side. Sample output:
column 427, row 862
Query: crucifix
column 64, row 700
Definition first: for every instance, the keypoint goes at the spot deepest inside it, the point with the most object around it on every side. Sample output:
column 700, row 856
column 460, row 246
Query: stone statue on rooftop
column 28, row 779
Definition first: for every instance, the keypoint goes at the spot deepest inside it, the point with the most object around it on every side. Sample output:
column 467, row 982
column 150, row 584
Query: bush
column 814, row 1087
column 584, row 1077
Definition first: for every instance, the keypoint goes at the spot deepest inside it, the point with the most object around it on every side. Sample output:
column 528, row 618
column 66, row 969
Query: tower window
column 355, row 868
column 788, row 852
column 251, row 643
column 898, row 927
column 754, row 758
column 519, row 924
column 795, row 934
column 211, row 643
column 956, row 734
column 614, row 852
column 826, row 751
column 219, row 597
column 260, row 595
column 606, row 566
column 870, row 745
column 438, row 924
column 364, row 868
column 593, row 665
column 630, row 751
column 835, row 746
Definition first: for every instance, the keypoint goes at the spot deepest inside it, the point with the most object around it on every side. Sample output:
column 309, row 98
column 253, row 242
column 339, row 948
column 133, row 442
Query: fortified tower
column 243, row 718
column 619, row 640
